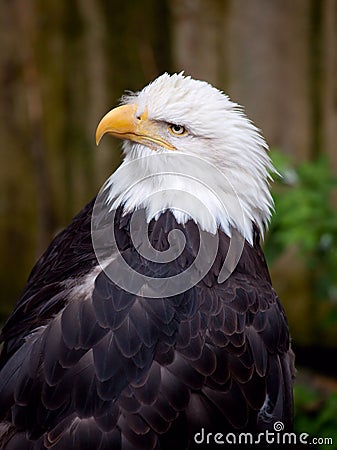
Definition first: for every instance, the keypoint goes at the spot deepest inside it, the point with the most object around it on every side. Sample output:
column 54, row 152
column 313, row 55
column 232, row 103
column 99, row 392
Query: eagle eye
column 177, row 130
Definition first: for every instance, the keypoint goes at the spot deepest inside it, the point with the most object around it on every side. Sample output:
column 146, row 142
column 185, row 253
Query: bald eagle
column 150, row 322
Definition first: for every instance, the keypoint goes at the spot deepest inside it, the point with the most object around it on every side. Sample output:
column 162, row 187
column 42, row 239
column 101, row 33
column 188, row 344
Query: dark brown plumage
column 105, row 369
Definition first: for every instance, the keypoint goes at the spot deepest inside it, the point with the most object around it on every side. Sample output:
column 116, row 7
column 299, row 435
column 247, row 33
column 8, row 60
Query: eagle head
column 184, row 135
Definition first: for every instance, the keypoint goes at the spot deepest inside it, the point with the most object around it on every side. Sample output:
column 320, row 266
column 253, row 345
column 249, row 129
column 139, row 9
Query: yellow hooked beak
column 123, row 123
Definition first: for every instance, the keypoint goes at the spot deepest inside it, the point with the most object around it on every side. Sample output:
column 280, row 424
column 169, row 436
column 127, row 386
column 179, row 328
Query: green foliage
column 315, row 414
column 305, row 219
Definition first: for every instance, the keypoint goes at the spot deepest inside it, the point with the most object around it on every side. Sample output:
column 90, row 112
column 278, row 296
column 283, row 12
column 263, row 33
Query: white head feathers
column 219, row 173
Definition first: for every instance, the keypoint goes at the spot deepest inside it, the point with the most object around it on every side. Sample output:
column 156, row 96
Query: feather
column 259, row 352
column 56, row 433
column 154, row 420
column 148, row 392
column 86, row 435
column 127, row 339
column 107, row 358
column 143, row 324
column 141, row 441
column 231, row 404
column 111, row 440
column 187, row 374
column 174, row 390
column 206, row 364
column 128, row 401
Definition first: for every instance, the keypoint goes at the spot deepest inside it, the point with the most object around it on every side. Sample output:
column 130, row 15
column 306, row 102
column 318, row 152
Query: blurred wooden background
column 65, row 63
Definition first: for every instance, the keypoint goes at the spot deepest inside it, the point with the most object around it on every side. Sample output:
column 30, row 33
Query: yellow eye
column 177, row 130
